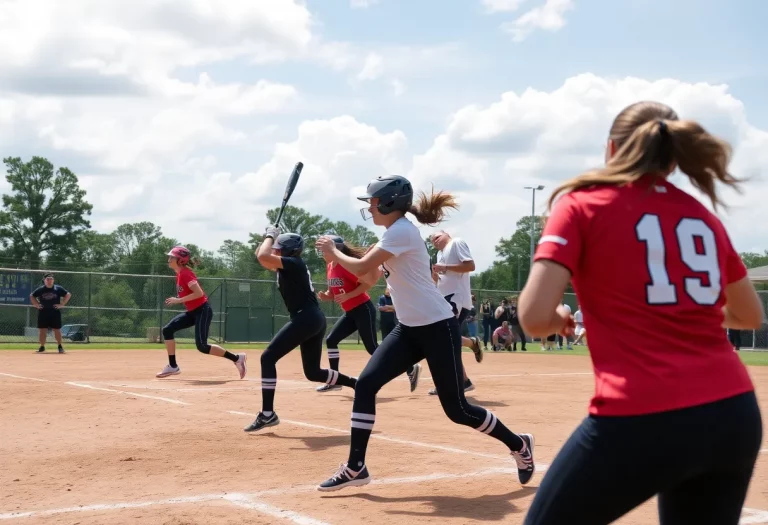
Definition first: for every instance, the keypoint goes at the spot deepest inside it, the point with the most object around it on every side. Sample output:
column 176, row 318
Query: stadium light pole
column 533, row 218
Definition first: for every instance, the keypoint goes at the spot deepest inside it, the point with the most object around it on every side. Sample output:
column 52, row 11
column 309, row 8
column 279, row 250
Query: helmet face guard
column 394, row 192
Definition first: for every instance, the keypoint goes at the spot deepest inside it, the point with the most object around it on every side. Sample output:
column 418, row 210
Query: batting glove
column 272, row 231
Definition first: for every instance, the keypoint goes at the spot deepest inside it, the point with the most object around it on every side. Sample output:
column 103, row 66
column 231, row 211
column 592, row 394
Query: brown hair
column 431, row 209
column 194, row 262
column 651, row 139
column 352, row 251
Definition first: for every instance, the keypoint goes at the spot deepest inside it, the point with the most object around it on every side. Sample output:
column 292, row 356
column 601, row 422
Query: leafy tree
column 129, row 237
column 755, row 260
column 45, row 210
column 358, row 235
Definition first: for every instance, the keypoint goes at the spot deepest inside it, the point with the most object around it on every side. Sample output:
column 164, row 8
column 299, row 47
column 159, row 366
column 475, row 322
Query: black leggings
column 360, row 319
column 200, row 318
column 698, row 460
column 517, row 329
column 306, row 330
column 440, row 344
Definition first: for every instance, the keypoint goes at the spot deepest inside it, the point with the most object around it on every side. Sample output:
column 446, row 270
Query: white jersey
column 578, row 317
column 414, row 295
column 455, row 252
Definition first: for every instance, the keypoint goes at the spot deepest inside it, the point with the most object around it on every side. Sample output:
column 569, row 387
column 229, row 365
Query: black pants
column 517, row 329
column 698, row 460
column 360, row 319
column 306, row 330
column 440, row 344
column 49, row 318
column 200, row 318
column 487, row 331
column 734, row 336
column 386, row 327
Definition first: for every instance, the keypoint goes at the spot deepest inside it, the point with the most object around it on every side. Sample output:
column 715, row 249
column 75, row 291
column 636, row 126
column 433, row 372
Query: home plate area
column 94, row 438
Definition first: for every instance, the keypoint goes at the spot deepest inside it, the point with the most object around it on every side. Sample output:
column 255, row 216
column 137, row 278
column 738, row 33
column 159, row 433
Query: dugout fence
column 130, row 308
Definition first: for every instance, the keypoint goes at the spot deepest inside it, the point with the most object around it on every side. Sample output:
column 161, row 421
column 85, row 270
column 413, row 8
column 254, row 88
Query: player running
column 305, row 329
column 674, row 412
column 451, row 274
column 427, row 328
column 199, row 314
column 351, row 294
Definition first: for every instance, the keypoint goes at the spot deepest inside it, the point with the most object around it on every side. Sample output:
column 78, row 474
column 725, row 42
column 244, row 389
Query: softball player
column 427, row 328
column 351, row 293
column 674, row 412
column 49, row 299
column 199, row 314
column 305, row 329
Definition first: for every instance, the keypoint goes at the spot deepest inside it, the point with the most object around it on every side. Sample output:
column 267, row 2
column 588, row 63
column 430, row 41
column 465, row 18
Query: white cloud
column 362, row 4
column 489, row 153
column 373, row 67
column 549, row 17
column 502, row 6
column 398, row 88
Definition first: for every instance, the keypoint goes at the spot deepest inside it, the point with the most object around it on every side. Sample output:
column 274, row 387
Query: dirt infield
column 91, row 437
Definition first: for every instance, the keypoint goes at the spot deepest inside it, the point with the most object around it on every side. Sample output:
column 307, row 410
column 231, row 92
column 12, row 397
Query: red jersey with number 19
column 341, row 280
column 184, row 279
column 650, row 265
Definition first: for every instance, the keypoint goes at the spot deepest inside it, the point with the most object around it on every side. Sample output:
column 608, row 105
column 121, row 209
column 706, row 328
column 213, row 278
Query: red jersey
column 342, row 281
column 649, row 265
column 183, row 279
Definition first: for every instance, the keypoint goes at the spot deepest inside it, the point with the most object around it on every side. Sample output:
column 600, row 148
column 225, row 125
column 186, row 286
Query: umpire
column 49, row 299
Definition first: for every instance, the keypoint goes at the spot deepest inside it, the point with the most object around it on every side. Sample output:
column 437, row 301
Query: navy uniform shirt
column 295, row 284
column 387, row 317
column 49, row 296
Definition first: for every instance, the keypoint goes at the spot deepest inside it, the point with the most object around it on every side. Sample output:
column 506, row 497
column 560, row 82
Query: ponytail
column 431, row 209
column 652, row 140
column 350, row 250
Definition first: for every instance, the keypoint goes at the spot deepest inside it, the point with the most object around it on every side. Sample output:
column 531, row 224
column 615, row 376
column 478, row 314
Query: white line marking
column 28, row 378
column 394, row 440
column 553, row 374
column 84, row 385
column 233, row 497
column 241, row 500
column 109, row 506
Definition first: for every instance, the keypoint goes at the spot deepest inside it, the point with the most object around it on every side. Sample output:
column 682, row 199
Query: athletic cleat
column 525, row 464
column 61, row 350
column 263, row 421
column 169, row 371
column 240, row 365
column 345, row 477
column 414, row 376
column 41, row 350
column 328, row 388
column 476, row 349
column 468, row 387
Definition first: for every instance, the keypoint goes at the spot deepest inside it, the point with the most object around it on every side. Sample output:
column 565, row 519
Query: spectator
column 734, row 336
column 387, row 316
column 503, row 337
column 515, row 325
column 472, row 318
column 487, row 312
column 580, row 332
column 560, row 337
column 49, row 299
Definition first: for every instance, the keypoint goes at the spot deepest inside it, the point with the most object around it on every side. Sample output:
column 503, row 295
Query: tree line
column 44, row 222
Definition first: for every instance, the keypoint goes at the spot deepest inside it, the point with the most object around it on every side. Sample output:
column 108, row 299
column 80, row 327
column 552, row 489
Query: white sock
column 267, row 414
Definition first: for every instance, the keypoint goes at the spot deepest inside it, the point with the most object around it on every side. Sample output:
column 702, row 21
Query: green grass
column 750, row 358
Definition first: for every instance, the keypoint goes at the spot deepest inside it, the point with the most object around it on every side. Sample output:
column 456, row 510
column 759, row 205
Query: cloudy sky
column 191, row 113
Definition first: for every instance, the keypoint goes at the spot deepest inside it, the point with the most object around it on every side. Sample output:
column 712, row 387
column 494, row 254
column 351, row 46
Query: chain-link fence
column 127, row 308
